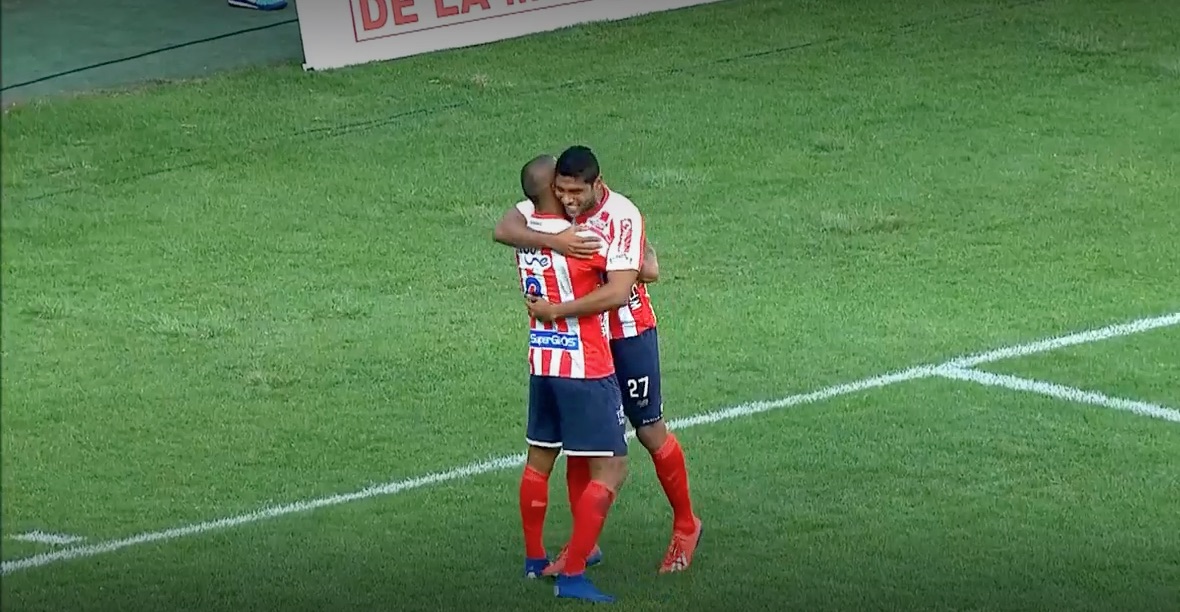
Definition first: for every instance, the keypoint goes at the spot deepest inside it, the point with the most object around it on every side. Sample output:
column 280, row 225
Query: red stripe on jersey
column 550, row 276
column 566, row 368
column 637, row 316
column 634, row 318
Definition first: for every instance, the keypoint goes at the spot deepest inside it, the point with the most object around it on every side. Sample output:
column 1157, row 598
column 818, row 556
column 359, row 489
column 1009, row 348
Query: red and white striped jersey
column 636, row 317
column 619, row 219
column 576, row 347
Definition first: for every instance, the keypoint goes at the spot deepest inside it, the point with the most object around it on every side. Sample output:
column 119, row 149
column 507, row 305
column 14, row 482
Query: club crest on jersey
column 532, row 286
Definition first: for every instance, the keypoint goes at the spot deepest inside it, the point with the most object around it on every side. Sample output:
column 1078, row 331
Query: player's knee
column 652, row 436
column 541, row 458
column 611, row 471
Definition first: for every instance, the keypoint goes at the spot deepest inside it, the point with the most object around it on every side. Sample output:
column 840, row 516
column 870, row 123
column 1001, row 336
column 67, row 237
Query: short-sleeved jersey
column 619, row 219
column 575, row 347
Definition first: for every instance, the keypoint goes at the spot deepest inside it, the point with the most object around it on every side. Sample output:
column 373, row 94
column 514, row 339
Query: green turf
column 862, row 501
column 204, row 313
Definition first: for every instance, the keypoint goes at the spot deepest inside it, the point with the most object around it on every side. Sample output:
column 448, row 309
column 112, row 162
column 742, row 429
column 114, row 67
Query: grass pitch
column 206, row 312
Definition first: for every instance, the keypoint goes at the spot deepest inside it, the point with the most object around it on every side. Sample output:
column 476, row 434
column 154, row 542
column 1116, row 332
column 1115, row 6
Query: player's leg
column 543, row 436
column 593, row 422
column 637, row 365
column 672, row 472
column 577, row 478
column 534, row 505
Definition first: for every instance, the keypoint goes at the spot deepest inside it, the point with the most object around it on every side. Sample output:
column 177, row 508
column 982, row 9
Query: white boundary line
column 40, row 537
column 1095, row 335
column 1069, row 394
column 509, row 461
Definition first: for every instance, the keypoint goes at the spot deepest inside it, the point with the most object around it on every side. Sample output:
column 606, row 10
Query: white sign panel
column 345, row 32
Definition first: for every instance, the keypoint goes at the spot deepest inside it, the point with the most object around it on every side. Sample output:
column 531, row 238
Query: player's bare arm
column 513, row 229
column 649, row 272
column 614, row 293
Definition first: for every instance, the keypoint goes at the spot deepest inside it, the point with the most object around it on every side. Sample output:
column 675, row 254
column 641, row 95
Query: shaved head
column 536, row 178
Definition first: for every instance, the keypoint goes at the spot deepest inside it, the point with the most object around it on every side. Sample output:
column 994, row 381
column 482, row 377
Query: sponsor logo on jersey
column 533, row 258
column 542, row 261
column 548, row 339
column 634, row 302
column 624, row 258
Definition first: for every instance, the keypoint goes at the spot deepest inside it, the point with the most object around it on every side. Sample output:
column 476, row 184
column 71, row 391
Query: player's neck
column 550, row 207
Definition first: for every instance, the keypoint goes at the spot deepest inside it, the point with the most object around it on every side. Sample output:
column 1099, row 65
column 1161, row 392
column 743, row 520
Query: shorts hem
column 641, row 424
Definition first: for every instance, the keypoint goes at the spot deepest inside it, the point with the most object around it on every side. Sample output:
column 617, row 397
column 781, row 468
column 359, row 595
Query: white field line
column 1086, row 337
column 1061, row 392
column 472, row 469
column 510, row 461
column 40, row 537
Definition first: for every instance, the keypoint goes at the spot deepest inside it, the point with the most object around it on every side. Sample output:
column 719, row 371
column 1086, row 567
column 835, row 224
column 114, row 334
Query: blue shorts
column 637, row 367
column 583, row 417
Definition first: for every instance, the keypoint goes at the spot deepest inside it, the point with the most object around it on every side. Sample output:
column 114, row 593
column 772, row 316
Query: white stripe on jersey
column 627, row 321
column 565, row 288
column 539, row 354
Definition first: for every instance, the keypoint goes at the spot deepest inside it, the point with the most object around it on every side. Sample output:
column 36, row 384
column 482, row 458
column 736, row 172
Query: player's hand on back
column 570, row 244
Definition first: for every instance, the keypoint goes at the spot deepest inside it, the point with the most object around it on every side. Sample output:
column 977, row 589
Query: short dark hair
column 579, row 162
column 535, row 176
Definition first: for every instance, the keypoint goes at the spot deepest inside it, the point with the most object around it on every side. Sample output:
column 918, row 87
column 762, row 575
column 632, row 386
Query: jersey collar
column 582, row 218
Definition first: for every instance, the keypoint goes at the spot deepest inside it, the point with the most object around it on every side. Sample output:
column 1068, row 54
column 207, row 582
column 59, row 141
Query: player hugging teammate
column 584, row 265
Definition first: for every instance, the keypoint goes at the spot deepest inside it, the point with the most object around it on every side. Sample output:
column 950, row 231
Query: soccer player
column 634, row 343
column 574, row 398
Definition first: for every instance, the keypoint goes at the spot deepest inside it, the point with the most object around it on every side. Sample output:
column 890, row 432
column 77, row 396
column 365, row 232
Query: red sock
column 534, row 501
column 589, row 518
column 577, row 478
column 673, row 474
